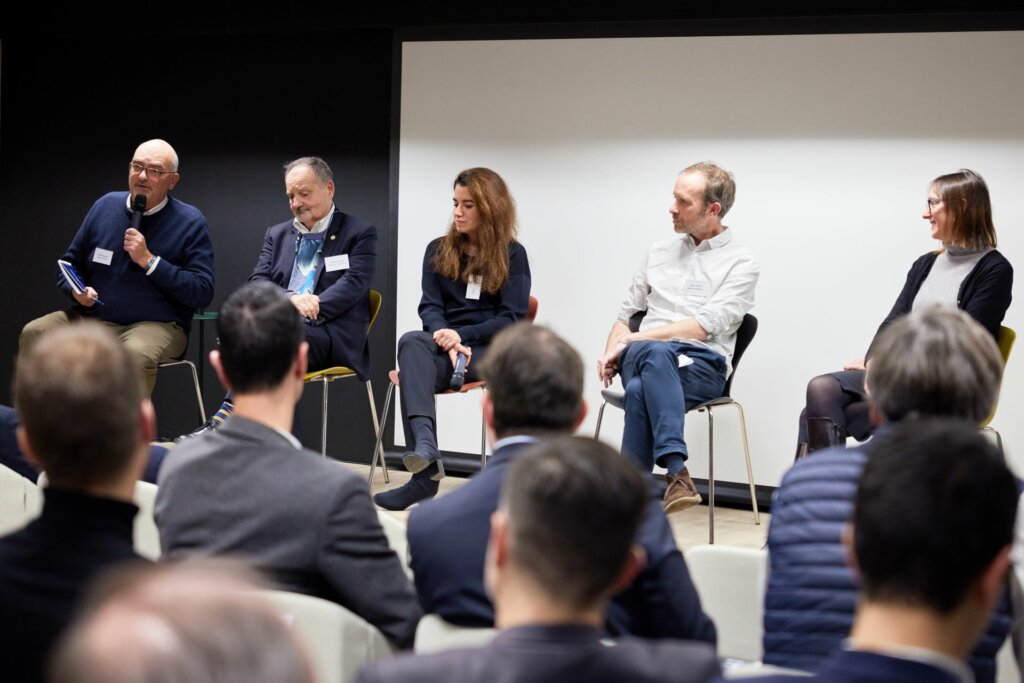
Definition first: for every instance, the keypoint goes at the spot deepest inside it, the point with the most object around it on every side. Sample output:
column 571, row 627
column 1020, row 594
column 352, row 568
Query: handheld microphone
column 459, row 376
column 137, row 210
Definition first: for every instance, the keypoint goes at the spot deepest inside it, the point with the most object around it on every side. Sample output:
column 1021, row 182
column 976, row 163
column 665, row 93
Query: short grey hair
column 935, row 361
column 719, row 184
column 318, row 166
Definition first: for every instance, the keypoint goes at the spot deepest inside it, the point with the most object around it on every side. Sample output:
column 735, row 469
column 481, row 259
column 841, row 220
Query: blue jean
column 658, row 393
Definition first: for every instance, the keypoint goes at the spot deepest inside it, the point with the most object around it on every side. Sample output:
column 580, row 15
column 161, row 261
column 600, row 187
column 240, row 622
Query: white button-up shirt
column 712, row 282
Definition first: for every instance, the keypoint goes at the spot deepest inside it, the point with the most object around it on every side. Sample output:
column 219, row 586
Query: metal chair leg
column 323, row 421
column 376, row 428
column 711, row 478
column 600, row 417
column 378, row 451
column 199, row 394
column 750, row 471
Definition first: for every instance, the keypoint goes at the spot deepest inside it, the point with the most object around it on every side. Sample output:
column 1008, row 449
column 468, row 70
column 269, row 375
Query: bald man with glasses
column 143, row 281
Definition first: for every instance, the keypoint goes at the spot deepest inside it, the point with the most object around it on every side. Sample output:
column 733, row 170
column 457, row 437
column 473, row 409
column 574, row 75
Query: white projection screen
column 833, row 140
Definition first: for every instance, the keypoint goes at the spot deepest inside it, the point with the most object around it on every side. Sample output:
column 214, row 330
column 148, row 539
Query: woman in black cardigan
column 966, row 271
column 476, row 281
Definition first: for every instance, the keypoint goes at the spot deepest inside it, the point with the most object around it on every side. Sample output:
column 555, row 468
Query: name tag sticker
column 104, row 256
column 696, row 289
column 473, row 286
column 333, row 263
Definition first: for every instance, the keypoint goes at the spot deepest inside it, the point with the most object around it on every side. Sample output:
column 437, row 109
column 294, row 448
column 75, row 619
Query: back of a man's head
column 935, row 361
column 574, row 505
column 180, row 624
column 535, row 381
column 260, row 332
column 935, row 506
column 79, row 395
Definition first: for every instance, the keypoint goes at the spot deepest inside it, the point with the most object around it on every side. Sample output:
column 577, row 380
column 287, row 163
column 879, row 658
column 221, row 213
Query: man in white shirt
column 695, row 289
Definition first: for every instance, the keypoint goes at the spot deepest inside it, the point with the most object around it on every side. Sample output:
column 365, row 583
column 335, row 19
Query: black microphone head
column 457, row 382
column 140, row 203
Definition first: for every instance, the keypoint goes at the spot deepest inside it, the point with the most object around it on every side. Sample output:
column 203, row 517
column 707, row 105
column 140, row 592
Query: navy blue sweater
column 444, row 304
column 181, row 282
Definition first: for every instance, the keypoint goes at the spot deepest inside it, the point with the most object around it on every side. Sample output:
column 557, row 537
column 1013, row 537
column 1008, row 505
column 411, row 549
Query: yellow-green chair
column 328, row 375
column 1006, row 339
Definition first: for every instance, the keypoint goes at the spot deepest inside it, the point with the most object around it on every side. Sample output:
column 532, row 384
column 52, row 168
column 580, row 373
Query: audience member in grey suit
column 930, row 540
column 249, row 488
column 196, row 622
column 561, row 544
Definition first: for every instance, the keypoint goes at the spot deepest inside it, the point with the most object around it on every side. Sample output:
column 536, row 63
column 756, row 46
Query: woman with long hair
column 476, row 281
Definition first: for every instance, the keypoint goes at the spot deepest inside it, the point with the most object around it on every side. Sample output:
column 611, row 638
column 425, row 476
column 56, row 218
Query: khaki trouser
column 149, row 343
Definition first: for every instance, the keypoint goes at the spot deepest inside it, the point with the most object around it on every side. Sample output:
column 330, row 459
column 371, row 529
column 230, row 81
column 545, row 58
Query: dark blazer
column 850, row 666
column 245, row 490
column 45, row 567
column 448, row 539
column 542, row 654
column 344, row 294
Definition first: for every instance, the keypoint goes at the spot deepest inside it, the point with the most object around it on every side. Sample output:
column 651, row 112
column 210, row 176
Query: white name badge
column 696, row 289
column 473, row 286
column 333, row 263
column 684, row 360
column 104, row 256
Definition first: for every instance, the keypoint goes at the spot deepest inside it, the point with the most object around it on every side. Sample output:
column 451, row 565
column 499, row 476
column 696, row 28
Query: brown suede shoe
column 681, row 493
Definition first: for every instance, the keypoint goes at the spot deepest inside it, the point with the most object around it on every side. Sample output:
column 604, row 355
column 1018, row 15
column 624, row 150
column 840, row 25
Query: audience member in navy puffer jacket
column 936, row 362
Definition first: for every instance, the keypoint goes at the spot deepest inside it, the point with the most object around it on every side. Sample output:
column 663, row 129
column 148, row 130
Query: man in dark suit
column 535, row 389
column 78, row 371
column 325, row 260
column 250, row 489
column 930, row 540
column 562, row 542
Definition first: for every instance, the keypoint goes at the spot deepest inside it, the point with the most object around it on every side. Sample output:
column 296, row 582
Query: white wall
column 833, row 141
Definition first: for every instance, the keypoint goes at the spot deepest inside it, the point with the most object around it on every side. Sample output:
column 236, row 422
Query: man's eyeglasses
column 154, row 173
column 932, row 203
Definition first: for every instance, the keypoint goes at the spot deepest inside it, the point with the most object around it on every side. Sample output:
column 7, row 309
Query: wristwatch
column 150, row 263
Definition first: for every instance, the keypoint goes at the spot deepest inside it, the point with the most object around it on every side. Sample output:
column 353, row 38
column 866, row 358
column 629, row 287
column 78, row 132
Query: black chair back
column 744, row 335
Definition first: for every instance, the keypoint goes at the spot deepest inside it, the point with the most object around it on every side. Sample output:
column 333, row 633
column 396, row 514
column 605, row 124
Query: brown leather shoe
column 681, row 493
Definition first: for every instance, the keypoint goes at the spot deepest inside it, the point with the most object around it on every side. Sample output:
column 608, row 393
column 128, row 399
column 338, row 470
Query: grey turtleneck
column 942, row 286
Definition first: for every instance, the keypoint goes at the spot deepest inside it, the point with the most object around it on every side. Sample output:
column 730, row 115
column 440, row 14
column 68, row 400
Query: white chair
column 731, row 584
column 434, row 634
column 756, row 670
column 19, row 501
column 397, row 538
column 146, row 535
column 338, row 641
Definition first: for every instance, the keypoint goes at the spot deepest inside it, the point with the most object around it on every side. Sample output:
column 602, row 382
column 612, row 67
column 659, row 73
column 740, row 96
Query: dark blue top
column 45, row 567
column 448, row 539
column 444, row 303
column 181, row 282
column 812, row 594
column 851, row 666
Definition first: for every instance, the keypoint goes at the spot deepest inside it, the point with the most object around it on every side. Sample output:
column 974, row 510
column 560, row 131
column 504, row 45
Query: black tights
column 827, row 398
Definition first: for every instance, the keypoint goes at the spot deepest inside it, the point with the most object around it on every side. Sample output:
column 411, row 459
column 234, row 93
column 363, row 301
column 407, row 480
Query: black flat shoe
column 210, row 425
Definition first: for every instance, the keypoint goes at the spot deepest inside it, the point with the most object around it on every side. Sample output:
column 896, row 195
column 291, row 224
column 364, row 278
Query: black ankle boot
column 823, row 433
column 420, row 487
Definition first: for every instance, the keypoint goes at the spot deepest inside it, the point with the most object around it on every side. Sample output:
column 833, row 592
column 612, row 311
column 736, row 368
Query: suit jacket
column 344, row 294
column 246, row 490
column 539, row 654
column 45, row 567
column 448, row 539
column 851, row 666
